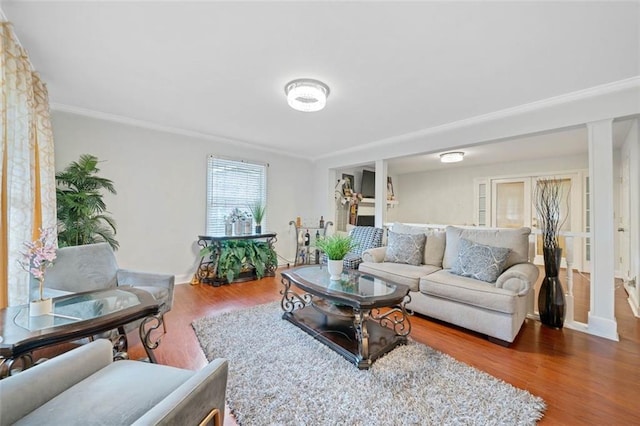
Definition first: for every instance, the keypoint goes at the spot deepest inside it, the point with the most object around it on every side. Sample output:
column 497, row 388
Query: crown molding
column 166, row 129
column 580, row 95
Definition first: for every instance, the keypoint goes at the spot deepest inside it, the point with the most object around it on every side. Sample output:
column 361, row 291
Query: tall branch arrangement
column 548, row 196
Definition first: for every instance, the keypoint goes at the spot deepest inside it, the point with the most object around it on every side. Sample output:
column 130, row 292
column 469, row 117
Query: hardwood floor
column 583, row 379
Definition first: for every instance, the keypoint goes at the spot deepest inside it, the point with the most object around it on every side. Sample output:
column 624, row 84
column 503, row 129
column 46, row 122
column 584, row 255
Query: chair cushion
column 352, row 261
column 479, row 261
column 118, row 394
column 161, row 294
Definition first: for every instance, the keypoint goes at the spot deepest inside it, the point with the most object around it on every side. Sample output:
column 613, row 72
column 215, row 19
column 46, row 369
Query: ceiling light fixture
column 452, row 157
column 305, row 94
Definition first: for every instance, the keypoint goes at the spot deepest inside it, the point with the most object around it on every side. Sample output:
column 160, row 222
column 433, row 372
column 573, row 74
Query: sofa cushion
column 408, row 275
column 515, row 239
column 469, row 291
column 133, row 387
column 405, row 248
column 434, row 247
column 479, row 261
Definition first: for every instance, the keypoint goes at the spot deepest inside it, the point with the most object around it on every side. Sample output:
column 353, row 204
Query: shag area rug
column 279, row 375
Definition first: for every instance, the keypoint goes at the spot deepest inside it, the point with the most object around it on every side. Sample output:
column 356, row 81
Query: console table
column 207, row 271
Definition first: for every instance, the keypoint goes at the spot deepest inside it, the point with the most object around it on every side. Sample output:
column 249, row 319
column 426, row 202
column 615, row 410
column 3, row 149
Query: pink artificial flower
column 39, row 254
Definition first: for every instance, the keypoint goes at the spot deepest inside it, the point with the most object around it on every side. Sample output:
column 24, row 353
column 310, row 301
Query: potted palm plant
column 81, row 211
column 549, row 194
column 336, row 248
column 258, row 210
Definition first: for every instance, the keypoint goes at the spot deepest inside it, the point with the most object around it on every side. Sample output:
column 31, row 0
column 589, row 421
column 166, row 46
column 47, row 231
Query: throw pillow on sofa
column 480, row 261
column 405, row 248
column 433, row 248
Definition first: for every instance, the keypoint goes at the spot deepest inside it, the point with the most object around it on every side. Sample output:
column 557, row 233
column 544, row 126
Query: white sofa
column 496, row 309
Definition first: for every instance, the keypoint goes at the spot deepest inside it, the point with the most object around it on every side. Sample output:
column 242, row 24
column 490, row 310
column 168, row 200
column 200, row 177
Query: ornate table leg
column 6, row 364
column 146, row 327
column 396, row 318
column 120, row 345
column 270, row 270
column 361, row 316
column 290, row 300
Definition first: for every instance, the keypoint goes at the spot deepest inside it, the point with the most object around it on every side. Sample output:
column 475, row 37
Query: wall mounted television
column 368, row 187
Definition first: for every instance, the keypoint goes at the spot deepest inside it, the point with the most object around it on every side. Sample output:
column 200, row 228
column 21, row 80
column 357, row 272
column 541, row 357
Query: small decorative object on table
column 336, row 248
column 37, row 257
column 549, row 195
column 257, row 211
column 238, row 217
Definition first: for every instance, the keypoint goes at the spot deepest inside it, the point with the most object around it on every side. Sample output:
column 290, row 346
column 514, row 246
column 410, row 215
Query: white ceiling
column 219, row 68
column 559, row 143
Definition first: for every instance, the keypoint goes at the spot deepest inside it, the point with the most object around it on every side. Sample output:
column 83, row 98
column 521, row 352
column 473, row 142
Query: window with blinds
column 230, row 184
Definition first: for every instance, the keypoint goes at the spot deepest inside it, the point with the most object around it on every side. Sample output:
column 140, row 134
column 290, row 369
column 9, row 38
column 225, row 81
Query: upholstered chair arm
column 519, row 278
column 190, row 403
column 146, row 280
column 375, row 255
column 28, row 390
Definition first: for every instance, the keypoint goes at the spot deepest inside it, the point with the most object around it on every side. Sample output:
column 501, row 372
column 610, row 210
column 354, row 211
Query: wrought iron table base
column 361, row 339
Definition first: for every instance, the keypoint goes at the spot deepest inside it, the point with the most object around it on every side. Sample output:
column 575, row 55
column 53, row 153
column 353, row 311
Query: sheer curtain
column 27, row 185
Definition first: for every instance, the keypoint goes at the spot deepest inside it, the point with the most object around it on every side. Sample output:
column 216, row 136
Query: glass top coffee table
column 76, row 316
column 360, row 316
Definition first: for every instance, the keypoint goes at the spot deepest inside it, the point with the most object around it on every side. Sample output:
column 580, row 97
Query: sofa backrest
column 83, row 268
column 515, row 239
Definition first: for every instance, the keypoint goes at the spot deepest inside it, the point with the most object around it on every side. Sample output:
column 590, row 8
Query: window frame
column 250, row 177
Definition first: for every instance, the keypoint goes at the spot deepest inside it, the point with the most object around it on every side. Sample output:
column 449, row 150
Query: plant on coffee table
column 336, row 246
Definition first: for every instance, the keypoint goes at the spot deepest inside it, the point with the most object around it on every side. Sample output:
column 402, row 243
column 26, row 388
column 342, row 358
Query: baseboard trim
column 184, row 278
column 603, row 327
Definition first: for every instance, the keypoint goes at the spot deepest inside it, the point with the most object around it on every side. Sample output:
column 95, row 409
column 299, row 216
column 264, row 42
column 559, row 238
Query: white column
column 602, row 321
column 381, row 192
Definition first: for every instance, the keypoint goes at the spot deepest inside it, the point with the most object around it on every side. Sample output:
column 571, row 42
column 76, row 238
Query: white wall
column 446, row 196
column 161, row 179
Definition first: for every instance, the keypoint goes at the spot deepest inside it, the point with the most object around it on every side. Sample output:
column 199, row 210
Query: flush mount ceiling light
column 305, row 94
column 452, row 157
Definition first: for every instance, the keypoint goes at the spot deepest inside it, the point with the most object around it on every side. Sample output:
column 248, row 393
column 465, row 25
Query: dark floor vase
column 551, row 303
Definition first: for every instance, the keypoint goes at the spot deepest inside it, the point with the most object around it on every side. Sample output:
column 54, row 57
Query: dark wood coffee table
column 361, row 317
column 76, row 316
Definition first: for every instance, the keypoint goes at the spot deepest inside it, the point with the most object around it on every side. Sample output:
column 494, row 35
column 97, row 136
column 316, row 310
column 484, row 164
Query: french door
column 512, row 206
column 511, row 202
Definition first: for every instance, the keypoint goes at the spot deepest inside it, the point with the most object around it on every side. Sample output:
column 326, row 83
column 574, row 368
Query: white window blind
column 233, row 183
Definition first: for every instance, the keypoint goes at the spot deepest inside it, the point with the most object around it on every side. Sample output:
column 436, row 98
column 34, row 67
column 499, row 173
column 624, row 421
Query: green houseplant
column 257, row 211
column 237, row 256
column 81, row 211
column 336, row 247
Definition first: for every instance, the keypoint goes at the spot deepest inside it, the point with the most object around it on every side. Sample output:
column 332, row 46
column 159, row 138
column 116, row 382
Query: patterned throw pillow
column 405, row 248
column 478, row 261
